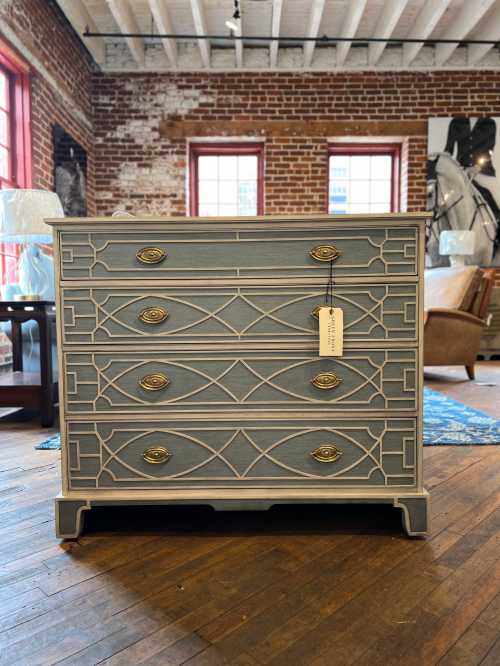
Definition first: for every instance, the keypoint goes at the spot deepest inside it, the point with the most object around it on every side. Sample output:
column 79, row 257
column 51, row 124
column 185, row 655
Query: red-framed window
column 364, row 178
column 15, row 139
column 226, row 179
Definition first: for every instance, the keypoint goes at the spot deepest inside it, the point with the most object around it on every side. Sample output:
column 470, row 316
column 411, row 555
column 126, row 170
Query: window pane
column 228, row 209
column 339, row 166
column 207, row 192
column 4, row 163
column 247, row 167
column 381, row 167
column 207, row 167
column 360, row 167
column 208, row 210
column 360, row 191
column 228, row 167
column 359, row 208
column 380, row 191
column 228, row 192
column 4, row 90
column 4, row 129
column 247, row 196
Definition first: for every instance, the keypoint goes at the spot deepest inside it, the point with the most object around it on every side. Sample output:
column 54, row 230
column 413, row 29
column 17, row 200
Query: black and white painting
column 463, row 185
column 70, row 173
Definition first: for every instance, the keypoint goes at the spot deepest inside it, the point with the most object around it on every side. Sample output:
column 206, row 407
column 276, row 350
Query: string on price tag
column 331, row 323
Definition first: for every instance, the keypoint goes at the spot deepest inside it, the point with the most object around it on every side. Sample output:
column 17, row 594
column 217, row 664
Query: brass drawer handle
column 327, row 453
column 326, row 381
column 153, row 315
column 156, row 455
column 154, row 382
column 325, row 253
column 151, row 255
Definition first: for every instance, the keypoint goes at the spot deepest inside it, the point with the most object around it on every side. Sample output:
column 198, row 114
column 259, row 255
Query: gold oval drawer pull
column 326, row 380
column 156, row 455
column 327, row 453
column 151, row 255
column 154, row 382
column 325, row 253
column 153, row 315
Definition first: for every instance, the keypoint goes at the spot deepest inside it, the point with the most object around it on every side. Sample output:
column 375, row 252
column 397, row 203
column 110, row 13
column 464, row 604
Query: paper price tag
column 331, row 331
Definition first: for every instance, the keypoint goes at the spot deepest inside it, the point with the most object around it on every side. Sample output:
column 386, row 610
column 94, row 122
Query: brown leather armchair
column 456, row 305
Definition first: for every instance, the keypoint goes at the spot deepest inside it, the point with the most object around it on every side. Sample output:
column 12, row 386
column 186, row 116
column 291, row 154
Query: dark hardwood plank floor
column 292, row 586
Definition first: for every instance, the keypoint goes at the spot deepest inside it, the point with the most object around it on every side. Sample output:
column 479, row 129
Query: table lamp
column 22, row 214
column 457, row 245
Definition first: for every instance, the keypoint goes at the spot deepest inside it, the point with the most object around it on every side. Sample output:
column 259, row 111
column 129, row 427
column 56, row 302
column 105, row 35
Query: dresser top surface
column 277, row 221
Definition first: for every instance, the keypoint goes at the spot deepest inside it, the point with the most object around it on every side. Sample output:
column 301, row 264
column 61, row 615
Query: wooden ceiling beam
column 200, row 26
column 469, row 15
column 427, row 20
column 182, row 129
column 349, row 28
column 275, row 32
column 79, row 17
column 387, row 21
column 161, row 17
column 126, row 21
column 312, row 31
column 476, row 52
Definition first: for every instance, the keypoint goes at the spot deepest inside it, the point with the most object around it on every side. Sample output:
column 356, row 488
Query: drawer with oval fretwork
column 336, row 452
column 100, row 315
column 374, row 380
column 208, row 253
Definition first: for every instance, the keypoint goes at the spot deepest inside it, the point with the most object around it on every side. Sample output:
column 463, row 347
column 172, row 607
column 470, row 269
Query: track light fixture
column 232, row 23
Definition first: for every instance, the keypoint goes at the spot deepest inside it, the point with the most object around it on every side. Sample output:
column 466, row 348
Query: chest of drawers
column 190, row 370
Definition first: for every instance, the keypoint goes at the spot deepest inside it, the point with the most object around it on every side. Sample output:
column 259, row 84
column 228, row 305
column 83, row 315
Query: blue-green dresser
column 190, row 368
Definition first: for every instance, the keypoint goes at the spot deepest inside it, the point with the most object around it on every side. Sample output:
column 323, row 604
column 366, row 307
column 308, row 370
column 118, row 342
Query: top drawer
column 357, row 251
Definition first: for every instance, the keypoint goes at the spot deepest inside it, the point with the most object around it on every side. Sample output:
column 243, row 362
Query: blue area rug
column 446, row 421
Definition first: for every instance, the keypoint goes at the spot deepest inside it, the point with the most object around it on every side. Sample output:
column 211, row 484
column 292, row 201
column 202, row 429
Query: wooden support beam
column 387, row 21
column 183, row 129
column 469, row 15
column 275, row 32
column 349, row 28
column 79, row 17
column 317, row 7
column 126, row 21
column 426, row 21
column 476, row 52
column 201, row 29
column 162, row 20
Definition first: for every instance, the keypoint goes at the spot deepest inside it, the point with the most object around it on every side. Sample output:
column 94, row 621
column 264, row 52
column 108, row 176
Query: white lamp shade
column 457, row 242
column 22, row 214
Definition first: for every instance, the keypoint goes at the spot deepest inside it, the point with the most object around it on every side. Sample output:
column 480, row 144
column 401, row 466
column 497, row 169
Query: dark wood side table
column 30, row 389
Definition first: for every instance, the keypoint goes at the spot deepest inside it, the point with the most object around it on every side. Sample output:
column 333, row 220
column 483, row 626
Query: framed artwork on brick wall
column 463, row 185
column 70, row 173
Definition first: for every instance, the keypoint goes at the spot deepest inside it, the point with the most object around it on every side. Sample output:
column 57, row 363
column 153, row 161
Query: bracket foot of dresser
column 415, row 508
column 415, row 512
column 69, row 517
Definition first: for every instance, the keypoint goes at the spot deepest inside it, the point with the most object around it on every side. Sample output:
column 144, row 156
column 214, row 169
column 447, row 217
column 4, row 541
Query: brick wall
column 141, row 164
column 61, row 81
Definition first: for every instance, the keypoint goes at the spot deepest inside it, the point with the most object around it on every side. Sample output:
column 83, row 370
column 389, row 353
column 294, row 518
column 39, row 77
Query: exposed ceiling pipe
column 319, row 40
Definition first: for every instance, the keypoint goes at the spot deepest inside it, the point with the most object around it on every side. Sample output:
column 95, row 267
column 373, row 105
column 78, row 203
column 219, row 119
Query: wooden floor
column 311, row 586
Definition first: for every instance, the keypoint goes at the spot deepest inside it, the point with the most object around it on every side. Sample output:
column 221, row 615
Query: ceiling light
column 233, row 22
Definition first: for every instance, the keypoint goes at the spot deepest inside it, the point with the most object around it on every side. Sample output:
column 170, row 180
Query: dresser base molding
column 70, row 510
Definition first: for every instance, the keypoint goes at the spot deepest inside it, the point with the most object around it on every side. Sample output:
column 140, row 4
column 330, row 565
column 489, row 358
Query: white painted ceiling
column 429, row 19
